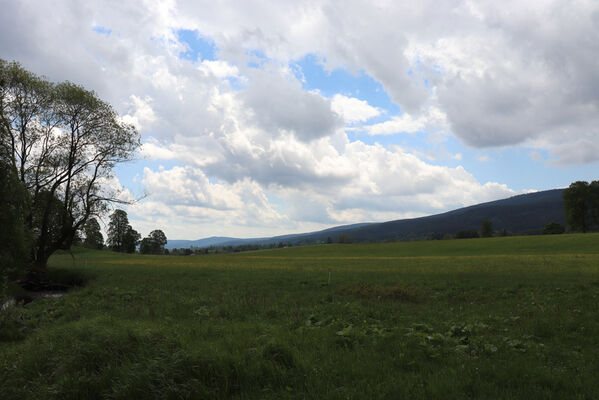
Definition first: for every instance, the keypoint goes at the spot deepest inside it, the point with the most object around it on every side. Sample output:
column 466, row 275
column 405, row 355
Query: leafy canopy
column 61, row 142
column 581, row 203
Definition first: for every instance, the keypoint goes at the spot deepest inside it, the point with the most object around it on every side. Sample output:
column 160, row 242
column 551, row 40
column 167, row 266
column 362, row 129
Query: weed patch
column 12, row 323
column 378, row 292
column 279, row 354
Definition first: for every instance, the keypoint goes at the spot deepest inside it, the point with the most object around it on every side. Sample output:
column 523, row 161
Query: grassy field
column 501, row 318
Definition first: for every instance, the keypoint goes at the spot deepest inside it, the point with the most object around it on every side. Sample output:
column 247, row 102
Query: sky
column 266, row 118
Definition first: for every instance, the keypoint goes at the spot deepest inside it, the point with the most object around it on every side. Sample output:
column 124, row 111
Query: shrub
column 553, row 228
column 466, row 234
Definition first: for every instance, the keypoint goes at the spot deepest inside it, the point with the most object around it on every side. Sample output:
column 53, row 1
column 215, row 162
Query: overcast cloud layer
column 253, row 152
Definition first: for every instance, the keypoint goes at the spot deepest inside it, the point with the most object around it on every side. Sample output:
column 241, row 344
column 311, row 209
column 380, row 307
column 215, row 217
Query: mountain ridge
column 521, row 214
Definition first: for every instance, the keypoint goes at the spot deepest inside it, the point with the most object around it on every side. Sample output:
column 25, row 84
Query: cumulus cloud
column 187, row 197
column 525, row 77
column 246, row 130
column 432, row 119
column 332, row 181
column 141, row 113
column 353, row 110
column 503, row 74
column 279, row 104
column 112, row 188
column 218, row 68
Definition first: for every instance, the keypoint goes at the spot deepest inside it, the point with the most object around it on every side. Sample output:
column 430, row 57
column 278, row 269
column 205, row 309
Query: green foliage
column 154, row 243
column 581, row 203
column 117, row 229
column 121, row 236
column 11, row 315
column 15, row 238
column 466, row 234
column 486, row 229
column 12, row 325
column 60, row 140
column 594, row 202
column 345, row 239
column 93, row 237
column 131, row 240
column 553, row 228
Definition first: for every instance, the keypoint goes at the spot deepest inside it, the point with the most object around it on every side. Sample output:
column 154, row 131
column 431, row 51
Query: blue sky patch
column 130, row 173
column 101, row 30
column 198, row 45
column 309, row 70
column 257, row 58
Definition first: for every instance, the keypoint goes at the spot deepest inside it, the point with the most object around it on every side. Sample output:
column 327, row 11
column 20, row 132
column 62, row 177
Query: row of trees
column 58, row 146
column 122, row 237
column 226, row 249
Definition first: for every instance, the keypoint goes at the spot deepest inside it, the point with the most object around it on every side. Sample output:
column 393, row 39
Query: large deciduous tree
column 154, row 243
column 93, row 236
column 121, row 236
column 15, row 239
column 62, row 142
column 581, row 203
column 132, row 238
column 594, row 202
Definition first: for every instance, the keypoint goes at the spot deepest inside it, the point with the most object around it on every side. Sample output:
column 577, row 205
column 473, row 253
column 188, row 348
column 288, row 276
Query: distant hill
column 520, row 215
column 207, row 242
column 523, row 214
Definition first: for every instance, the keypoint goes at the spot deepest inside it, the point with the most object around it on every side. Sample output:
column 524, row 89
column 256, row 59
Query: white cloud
column 405, row 123
column 329, row 181
column 143, row 114
column 433, row 119
column 499, row 81
column 112, row 188
column 491, row 74
column 279, row 104
column 187, row 195
column 218, row 68
column 353, row 110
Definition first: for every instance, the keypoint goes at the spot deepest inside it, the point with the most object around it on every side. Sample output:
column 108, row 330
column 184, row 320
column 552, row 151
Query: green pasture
column 498, row 318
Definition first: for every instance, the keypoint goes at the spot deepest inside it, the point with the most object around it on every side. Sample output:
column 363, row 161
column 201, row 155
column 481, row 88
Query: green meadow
column 499, row 318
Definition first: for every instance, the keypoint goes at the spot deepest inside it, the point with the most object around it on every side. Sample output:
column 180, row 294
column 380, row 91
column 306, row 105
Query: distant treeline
column 486, row 231
column 226, row 249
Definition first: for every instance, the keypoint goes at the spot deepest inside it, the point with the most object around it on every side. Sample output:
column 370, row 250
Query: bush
column 553, row 228
column 466, row 234
column 345, row 238
column 12, row 324
column 486, row 229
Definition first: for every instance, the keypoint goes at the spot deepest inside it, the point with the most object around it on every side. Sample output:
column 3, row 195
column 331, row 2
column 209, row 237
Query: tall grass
column 487, row 318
